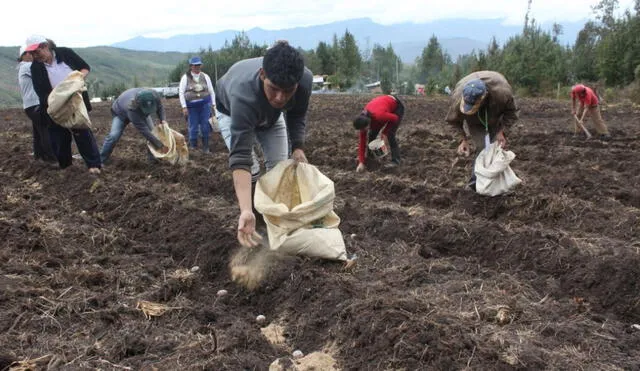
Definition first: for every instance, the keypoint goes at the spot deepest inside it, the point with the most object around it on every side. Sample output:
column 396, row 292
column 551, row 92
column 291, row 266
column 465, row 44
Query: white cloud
column 78, row 24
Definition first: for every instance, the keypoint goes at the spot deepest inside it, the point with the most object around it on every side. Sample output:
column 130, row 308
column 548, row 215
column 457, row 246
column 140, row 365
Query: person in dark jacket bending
column 51, row 65
column 484, row 101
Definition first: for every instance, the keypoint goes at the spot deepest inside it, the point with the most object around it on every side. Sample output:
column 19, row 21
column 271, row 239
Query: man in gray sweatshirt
column 265, row 100
column 136, row 106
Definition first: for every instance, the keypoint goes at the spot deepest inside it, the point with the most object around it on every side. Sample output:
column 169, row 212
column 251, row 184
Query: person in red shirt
column 381, row 113
column 589, row 103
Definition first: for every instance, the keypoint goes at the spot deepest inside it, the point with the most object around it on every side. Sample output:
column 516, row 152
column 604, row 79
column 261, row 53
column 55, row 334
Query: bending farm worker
column 484, row 100
column 135, row 105
column 589, row 103
column 265, row 100
column 381, row 113
column 196, row 98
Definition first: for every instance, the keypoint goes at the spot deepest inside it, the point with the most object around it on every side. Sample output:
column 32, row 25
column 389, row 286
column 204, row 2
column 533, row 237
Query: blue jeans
column 117, row 128
column 274, row 142
column 199, row 124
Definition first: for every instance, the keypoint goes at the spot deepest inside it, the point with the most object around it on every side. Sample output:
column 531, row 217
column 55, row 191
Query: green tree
column 311, row 60
column 216, row 63
column 432, row 60
column 327, row 59
column 533, row 60
column 349, row 61
column 385, row 82
column 382, row 61
column 618, row 48
column 583, row 64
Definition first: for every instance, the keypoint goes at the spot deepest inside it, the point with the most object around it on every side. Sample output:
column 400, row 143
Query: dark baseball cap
column 146, row 101
column 473, row 94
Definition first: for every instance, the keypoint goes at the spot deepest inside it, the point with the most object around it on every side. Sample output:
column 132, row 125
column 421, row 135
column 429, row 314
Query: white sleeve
column 181, row 88
column 211, row 91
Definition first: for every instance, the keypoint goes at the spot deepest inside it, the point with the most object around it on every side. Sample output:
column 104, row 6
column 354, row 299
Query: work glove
column 361, row 168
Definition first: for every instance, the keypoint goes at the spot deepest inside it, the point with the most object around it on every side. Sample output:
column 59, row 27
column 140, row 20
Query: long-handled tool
column 582, row 126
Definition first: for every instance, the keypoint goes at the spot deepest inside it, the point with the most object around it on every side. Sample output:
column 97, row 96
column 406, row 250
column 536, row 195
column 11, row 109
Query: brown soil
column 543, row 278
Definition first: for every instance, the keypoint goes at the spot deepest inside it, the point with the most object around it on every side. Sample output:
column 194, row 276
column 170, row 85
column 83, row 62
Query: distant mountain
column 457, row 36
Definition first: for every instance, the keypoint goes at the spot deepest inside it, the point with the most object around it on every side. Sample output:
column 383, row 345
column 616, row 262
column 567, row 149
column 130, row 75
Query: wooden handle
column 582, row 126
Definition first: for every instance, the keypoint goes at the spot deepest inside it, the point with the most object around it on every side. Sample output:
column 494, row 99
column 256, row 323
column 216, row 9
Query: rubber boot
column 205, row 145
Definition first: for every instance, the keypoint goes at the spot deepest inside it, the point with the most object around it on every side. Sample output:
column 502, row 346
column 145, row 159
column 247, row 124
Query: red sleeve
column 384, row 117
column 362, row 146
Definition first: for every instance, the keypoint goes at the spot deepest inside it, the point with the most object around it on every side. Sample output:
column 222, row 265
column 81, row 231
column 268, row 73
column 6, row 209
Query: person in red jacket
column 590, row 103
column 381, row 113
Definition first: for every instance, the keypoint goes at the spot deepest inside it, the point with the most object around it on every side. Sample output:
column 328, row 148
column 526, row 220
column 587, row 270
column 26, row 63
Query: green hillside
column 108, row 66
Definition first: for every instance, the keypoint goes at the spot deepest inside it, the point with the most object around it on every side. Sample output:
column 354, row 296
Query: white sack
column 66, row 106
column 297, row 204
column 494, row 176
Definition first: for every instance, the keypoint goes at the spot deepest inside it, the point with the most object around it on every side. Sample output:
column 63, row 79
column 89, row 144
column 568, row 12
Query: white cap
column 33, row 42
column 21, row 52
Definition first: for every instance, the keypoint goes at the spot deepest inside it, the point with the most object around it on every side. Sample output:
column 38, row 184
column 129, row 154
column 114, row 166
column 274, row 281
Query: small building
column 318, row 81
column 321, row 83
column 374, row 87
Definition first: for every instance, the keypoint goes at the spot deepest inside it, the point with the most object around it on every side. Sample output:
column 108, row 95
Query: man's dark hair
column 283, row 65
column 362, row 121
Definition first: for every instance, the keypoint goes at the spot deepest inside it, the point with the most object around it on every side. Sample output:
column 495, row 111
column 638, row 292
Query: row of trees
column 606, row 52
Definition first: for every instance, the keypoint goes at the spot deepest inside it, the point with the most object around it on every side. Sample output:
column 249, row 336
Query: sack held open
column 296, row 201
column 178, row 152
column 494, row 176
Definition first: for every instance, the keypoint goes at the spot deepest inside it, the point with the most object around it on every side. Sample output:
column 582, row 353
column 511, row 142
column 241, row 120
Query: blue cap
column 472, row 95
column 195, row 61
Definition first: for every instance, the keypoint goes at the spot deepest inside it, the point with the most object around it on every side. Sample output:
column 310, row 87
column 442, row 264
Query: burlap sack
column 297, row 204
column 178, row 151
column 66, row 106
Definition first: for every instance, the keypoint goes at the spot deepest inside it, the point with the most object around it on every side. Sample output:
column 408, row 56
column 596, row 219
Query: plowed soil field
column 546, row 277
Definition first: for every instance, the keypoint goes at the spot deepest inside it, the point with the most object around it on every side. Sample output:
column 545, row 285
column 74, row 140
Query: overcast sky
column 90, row 23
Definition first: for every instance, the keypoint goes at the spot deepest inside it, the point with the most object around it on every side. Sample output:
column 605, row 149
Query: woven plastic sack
column 66, row 106
column 494, row 176
column 297, row 204
column 178, row 153
column 378, row 147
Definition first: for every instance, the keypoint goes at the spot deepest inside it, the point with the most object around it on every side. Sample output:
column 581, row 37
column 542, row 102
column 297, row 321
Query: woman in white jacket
column 197, row 100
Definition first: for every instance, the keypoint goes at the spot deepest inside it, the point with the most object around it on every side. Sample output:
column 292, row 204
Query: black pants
column 391, row 135
column 42, row 149
column 85, row 141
